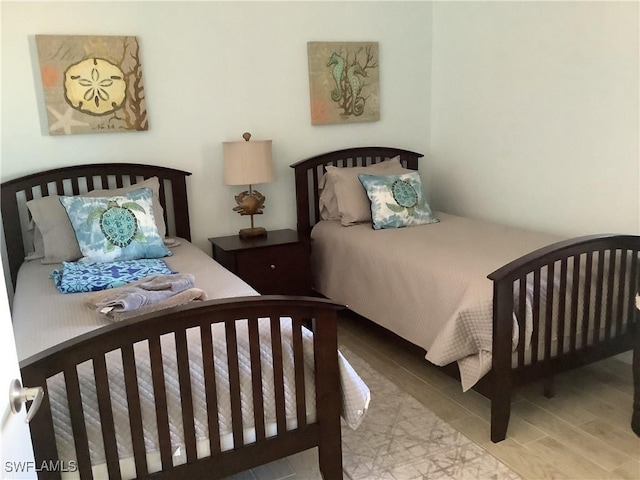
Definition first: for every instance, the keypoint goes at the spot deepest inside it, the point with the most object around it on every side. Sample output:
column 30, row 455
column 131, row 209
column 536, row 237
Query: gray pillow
column 50, row 217
column 352, row 202
column 34, row 242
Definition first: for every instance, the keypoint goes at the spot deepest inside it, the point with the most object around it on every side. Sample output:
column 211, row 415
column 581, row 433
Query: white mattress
column 58, row 317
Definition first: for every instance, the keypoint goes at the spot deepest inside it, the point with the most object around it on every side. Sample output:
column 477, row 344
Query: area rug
column 401, row 439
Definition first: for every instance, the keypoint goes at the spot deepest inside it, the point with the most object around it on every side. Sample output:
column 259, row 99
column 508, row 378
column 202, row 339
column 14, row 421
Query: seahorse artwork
column 343, row 79
column 355, row 86
column 338, row 68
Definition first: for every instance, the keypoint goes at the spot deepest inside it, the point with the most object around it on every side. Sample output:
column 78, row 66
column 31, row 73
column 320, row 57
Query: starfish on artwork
column 64, row 120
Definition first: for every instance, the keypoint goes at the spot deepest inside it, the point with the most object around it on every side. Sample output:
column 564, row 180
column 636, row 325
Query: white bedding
column 55, row 317
column 428, row 283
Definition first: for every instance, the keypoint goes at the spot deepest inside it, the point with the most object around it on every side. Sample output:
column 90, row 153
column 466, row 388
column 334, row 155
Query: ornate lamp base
column 252, row 232
column 250, row 203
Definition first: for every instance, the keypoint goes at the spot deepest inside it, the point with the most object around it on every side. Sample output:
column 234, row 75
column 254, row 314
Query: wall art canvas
column 343, row 81
column 92, row 84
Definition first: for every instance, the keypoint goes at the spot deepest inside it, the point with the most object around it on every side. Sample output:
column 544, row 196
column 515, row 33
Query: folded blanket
column 75, row 277
column 182, row 298
column 146, row 291
column 149, row 294
column 173, row 283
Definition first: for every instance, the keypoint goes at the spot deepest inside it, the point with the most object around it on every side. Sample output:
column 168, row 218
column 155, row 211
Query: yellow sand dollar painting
column 95, row 86
column 92, row 84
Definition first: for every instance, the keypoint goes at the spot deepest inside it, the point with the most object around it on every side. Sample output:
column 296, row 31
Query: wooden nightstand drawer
column 274, row 265
column 280, row 269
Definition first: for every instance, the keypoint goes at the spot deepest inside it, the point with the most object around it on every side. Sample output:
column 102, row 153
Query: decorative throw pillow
column 328, row 200
column 352, row 202
column 59, row 239
column 110, row 229
column 397, row 200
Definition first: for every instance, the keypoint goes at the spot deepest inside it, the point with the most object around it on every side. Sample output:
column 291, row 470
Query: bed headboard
column 308, row 173
column 14, row 195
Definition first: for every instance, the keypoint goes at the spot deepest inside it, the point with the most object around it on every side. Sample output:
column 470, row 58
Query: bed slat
column 562, row 297
column 160, row 396
column 209, row 373
column 77, row 422
column 610, row 287
column 135, row 414
column 522, row 311
column 75, row 187
column 298, row 356
column 535, row 334
column 278, row 376
column 106, row 417
column 622, row 278
column 599, row 295
column 256, row 378
column 573, row 308
column 186, row 397
column 586, row 304
column 234, row 383
column 633, row 284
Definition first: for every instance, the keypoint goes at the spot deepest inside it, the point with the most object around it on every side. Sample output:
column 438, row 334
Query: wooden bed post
column 41, row 426
column 501, row 369
column 327, row 386
column 635, row 416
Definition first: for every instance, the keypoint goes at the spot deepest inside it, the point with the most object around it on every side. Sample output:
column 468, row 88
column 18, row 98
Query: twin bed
column 136, row 398
column 141, row 397
column 507, row 305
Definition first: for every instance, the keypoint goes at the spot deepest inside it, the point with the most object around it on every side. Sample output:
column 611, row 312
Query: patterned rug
column 401, row 439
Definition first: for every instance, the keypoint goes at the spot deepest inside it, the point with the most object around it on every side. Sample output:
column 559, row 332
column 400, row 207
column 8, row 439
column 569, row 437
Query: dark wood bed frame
column 622, row 331
column 319, row 314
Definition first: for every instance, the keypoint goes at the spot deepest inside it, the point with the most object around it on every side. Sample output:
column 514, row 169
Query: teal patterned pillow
column 110, row 229
column 397, row 200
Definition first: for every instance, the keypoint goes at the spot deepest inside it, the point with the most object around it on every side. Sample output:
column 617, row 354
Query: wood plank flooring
column 582, row 433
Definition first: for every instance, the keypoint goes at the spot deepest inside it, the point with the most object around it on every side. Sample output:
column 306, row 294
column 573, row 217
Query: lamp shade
column 247, row 162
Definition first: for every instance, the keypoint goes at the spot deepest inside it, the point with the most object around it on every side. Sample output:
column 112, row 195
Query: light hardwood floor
column 581, row 433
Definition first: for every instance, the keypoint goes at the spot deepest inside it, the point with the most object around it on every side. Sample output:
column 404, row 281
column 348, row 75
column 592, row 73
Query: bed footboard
column 123, row 340
column 574, row 303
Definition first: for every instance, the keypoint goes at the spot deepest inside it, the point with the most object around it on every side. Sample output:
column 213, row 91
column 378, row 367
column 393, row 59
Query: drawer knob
column 273, row 267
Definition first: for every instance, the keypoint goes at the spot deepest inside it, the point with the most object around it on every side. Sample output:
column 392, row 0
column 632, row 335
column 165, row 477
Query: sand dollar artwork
column 92, row 84
column 95, row 86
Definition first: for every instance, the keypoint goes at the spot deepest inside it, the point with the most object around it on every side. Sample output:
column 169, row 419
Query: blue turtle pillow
column 397, row 200
column 110, row 229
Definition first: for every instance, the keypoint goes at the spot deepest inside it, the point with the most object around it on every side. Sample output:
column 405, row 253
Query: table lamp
column 248, row 163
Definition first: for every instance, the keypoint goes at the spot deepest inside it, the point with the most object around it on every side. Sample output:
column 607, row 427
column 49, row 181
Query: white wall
column 497, row 94
column 213, row 71
column 535, row 114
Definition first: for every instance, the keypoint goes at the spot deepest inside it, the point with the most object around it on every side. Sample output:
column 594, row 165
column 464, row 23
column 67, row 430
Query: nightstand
column 277, row 264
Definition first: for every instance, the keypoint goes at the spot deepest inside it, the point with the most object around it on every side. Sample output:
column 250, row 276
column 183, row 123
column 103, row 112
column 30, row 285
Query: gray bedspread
column 426, row 283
